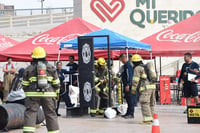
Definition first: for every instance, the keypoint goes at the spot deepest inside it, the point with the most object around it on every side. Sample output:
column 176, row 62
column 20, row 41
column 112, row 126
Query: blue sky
column 24, row 4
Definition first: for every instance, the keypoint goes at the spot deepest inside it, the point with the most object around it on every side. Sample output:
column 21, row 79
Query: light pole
column 42, row 6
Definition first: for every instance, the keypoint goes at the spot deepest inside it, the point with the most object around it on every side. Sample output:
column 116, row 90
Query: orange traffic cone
column 155, row 126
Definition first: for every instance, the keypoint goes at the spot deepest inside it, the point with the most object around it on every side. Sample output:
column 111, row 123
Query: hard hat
column 38, row 53
column 101, row 61
column 110, row 113
column 136, row 58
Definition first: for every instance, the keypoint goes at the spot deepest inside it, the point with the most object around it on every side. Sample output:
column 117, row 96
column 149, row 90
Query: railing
column 34, row 11
column 33, row 20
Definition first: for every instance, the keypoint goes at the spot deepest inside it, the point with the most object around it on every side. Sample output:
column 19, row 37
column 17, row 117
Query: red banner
column 165, row 95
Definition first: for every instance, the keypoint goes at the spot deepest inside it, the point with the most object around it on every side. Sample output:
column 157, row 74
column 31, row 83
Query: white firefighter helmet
column 110, row 113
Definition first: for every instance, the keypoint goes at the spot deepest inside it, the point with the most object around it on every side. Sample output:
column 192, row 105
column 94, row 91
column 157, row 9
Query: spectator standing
column 189, row 87
column 9, row 70
column 63, row 92
column 73, row 68
column 127, row 76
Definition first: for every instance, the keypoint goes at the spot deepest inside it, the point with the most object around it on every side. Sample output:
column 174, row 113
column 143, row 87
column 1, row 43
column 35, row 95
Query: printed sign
column 144, row 11
column 87, row 91
column 86, row 53
column 170, row 35
column 165, row 96
column 107, row 10
column 194, row 112
column 52, row 40
column 5, row 44
column 86, row 66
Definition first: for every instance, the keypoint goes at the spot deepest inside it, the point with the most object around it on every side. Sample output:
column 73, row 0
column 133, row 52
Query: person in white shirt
column 9, row 70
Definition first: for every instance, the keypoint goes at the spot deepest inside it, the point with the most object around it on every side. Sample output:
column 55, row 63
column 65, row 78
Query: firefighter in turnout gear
column 144, row 84
column 41, row 86
column 101, row 88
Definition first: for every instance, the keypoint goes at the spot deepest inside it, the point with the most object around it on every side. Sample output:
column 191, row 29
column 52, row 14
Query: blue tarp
column 117, row 41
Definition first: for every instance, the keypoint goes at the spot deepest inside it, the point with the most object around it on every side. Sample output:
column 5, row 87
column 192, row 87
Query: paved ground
column 171, row 117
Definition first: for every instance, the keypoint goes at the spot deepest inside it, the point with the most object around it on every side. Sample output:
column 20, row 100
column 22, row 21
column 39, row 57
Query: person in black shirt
column 73, row 68
column 190, row 86
column 63, row 92
column 127, row 76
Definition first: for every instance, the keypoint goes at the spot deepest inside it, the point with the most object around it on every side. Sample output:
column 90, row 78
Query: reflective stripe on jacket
column 29, row 82
column 41, row 94
column 101, row 74
column 140, row 80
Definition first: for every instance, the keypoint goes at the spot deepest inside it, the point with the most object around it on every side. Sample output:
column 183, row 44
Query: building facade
column 135, row 18
column 7, row 10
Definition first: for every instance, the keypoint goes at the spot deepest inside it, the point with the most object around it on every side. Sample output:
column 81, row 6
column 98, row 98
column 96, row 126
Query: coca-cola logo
column 170, row 35
column 49, row 40
column 5, row 44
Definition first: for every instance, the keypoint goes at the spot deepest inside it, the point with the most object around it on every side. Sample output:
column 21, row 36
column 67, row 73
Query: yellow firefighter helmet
column 38, row 53
column 101, row 61
column 136, row 58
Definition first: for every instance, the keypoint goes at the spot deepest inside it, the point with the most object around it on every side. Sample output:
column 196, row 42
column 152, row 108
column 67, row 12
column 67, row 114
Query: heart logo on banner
column 107, row 10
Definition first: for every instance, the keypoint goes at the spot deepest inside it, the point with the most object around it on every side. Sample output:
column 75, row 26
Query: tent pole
column 109, row 71
column 160, row 66
column 119, row 60
column 127, row 52
column 151, row 55
column 178, row 65
column 59, row 54
column 155, row 66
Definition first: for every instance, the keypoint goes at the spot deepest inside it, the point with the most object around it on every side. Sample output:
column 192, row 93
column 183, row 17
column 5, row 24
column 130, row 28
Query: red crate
column 183, row 101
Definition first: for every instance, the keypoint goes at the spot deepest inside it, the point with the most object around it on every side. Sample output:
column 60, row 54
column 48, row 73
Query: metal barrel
column 12, row 116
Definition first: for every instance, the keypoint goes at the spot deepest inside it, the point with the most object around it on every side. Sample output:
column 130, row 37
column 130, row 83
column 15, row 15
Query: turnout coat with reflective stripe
column 29, row 82
column 140, row 80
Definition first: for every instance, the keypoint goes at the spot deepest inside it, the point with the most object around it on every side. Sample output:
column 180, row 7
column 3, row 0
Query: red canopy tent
column 6, row 42
column 177, row 39
column 50, row 41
